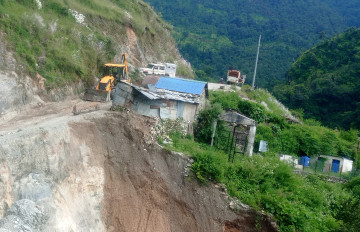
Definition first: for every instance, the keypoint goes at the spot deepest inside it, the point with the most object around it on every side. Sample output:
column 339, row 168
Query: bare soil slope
column 145, row 187
column 102, row 171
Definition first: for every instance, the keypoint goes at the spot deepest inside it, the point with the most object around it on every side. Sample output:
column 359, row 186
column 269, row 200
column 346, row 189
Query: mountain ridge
column 324, row 82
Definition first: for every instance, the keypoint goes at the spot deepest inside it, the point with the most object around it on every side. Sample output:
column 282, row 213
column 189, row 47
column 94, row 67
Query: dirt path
column 35, row 114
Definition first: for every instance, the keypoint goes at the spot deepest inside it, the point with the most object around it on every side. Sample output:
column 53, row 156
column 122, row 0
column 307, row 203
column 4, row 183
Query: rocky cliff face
column 46, row 180
column 15, row 89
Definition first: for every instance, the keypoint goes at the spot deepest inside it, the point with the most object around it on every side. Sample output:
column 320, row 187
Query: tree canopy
column 325, row 82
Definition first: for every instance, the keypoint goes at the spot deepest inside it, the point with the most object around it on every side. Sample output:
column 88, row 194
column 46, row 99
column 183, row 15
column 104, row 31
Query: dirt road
column 34, row 114
column 101, row 171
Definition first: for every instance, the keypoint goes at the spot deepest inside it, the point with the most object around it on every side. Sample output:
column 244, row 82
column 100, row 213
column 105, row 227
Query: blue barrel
column 305, row 160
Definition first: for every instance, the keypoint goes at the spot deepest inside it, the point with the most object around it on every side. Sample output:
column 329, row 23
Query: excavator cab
column 118, row 71
column 112, row 74
column 110, row 71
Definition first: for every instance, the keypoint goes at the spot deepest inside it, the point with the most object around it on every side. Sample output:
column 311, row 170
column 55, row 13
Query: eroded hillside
column 102, row 171
column 56, row 48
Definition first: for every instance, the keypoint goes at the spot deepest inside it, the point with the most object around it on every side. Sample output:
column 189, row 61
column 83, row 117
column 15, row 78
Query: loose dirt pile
column 103, row 171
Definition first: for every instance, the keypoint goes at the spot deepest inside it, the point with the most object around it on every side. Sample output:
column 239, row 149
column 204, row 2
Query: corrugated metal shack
column 169, row 98
column 332, row 163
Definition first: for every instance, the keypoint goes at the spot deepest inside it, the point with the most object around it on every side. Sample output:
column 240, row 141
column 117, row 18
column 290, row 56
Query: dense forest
column 325, row 83
column 215, row 35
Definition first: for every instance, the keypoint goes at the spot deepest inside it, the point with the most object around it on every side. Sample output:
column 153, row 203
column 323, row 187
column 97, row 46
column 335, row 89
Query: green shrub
column 277, row 120
column 206, row 167
column 57, row 8
column 297, row 205
column 231, row 100
column 204, row 125
column 228, row 100
column 350, row 135
column 354, row 186
column 349, row 212
column 289, row 142
column 252, row 110
column 27, row 3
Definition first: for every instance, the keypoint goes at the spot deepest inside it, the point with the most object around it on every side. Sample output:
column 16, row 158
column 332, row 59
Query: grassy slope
column 49, row 41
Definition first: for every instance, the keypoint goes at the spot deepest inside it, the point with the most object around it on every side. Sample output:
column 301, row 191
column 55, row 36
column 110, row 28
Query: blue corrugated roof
column 180, row 85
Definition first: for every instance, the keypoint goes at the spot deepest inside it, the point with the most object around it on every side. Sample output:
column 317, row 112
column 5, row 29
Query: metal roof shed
column 181, row 85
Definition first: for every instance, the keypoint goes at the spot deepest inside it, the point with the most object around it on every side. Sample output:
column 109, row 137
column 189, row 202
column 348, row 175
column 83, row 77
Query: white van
column 154, row 68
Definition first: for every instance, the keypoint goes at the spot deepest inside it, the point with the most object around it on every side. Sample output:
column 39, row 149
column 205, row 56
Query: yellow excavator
column 113, row 73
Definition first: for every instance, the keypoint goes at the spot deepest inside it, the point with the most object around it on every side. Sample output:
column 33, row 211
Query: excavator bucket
column 96, row 95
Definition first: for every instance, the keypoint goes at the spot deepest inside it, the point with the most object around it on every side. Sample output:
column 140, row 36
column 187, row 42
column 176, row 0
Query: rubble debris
column 119, row 108
column 77, row 111
column 165, row 127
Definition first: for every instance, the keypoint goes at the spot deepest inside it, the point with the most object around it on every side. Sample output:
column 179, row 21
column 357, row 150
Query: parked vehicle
column 170, row 69
column 234, row 77
column 154, row 69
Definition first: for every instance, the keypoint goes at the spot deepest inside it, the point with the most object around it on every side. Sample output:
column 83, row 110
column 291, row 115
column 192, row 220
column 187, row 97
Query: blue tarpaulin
column 181, row 85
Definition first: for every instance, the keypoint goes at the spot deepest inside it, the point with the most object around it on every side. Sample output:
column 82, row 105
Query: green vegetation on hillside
column 216, row 35
column 349, row 213
column 309, row 138
column 325, row 82
column 299, row 203
column 52, row 42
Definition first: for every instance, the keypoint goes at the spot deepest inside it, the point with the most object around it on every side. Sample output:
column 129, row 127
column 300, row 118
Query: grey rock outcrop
column 16, row 90
column 14, row 223
column 34, row 187
column 24, row 214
